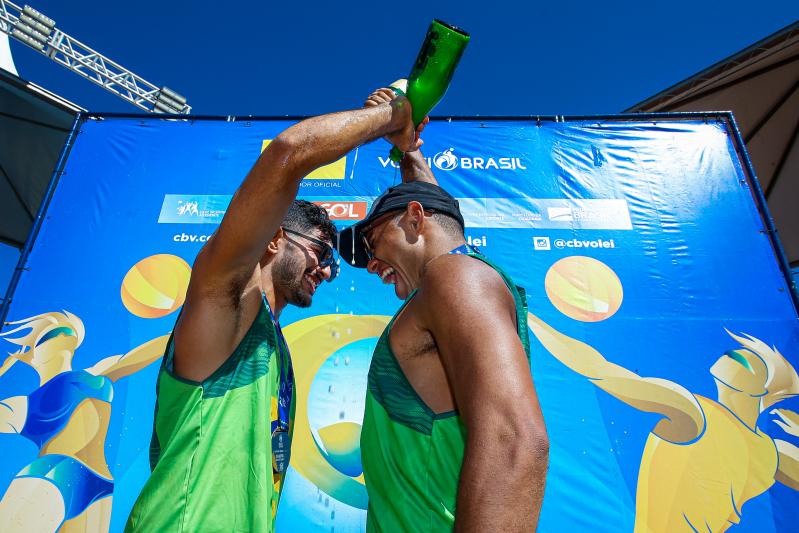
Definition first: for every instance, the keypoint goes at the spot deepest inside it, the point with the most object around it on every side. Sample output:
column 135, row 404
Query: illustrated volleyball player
column 223, row 421
column 453, row 434
column 69, row 486
column 706, row 458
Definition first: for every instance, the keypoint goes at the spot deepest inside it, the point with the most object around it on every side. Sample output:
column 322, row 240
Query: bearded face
column 297, row 275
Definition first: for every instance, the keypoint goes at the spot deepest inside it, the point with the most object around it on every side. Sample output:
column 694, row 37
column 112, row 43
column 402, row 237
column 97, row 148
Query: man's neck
column 438, row 246
column 273, row 297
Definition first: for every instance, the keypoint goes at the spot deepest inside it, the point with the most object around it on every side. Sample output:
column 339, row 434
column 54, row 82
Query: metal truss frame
column 30, row 27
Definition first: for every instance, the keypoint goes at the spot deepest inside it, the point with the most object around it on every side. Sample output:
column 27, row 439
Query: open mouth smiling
column 388, row 275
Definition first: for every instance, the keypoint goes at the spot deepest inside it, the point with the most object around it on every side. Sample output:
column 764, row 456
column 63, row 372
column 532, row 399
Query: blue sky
column 292, row 58
column 276, row 58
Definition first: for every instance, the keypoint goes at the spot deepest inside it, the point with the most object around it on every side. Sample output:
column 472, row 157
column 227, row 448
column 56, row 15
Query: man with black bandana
column 453, row 435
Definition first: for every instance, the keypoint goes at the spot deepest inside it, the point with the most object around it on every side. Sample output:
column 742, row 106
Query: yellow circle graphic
column 334, row 470
column 584, row 288
column 156, row 285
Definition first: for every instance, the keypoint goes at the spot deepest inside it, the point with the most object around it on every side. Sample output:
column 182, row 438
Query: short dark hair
column 449, row 224
column 303, row 216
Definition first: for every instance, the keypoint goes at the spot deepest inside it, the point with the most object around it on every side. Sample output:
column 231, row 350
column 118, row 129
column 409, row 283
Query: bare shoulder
column 468, row 281
column 460, row 270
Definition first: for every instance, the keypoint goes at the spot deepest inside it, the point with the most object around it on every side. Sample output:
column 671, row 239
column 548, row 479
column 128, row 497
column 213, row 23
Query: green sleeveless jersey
column 211, row 452
column 412, row 456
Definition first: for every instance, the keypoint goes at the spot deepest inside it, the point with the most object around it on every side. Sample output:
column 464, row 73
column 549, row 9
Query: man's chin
column 400, row 291
column 302, row 299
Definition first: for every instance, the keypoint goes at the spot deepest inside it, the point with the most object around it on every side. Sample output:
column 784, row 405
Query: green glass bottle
column 432, row 72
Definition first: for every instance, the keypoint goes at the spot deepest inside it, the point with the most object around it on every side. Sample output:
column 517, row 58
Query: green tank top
column 211, row 451
column 412, row 456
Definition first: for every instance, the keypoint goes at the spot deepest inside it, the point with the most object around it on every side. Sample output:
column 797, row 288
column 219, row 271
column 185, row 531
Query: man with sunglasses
column 453, row 435
column 225, row 392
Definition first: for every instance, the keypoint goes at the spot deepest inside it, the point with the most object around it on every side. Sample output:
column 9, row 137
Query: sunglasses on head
column 325, row 256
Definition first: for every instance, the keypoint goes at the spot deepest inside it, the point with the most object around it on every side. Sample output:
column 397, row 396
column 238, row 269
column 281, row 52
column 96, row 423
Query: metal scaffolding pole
column 39, row 32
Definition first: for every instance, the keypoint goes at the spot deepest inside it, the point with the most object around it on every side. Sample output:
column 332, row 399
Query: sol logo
column 344, row 210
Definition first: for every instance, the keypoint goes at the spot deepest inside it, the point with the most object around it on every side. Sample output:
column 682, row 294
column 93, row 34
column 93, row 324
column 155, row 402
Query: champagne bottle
column 432, row 72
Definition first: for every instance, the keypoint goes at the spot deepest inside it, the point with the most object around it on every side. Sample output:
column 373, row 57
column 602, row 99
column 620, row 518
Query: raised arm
column 684, row 420
column 258, row 207
column 505, row 460
column 224, row 291
column 413, row 166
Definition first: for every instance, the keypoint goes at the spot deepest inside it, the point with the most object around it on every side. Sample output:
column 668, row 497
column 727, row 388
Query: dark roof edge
column 785, row 34
column 39, row 92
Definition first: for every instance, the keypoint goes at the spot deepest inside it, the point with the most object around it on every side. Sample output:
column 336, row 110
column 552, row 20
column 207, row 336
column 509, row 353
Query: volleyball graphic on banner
column 584, row 288
column 331, row 355
column 156, row 286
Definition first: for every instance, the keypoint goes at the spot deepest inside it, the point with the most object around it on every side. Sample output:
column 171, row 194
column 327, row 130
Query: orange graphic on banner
column 156, row 286
column 333, row 171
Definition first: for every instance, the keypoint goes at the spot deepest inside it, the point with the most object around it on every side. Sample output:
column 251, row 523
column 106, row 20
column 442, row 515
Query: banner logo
column 560, row 214
column 541, row 243
column 546, row 213
column 344, row 210
column 592, row 214
column 193, row 209
column 445, row 160
column 188, row 208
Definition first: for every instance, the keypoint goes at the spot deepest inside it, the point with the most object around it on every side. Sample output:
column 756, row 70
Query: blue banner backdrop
column 641, row 247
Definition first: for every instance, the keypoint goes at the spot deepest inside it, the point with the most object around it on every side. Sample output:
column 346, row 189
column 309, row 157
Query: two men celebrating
column 453, row 435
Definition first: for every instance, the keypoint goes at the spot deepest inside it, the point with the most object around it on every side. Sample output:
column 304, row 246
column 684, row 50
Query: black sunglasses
column 367, row 247
column 326, row 257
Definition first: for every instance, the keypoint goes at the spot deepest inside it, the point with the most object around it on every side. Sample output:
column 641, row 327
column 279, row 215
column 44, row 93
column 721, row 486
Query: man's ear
column 277, row 241
column 415, row 213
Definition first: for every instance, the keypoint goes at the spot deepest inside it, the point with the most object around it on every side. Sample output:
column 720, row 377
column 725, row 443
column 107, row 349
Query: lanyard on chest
column 281, row 443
